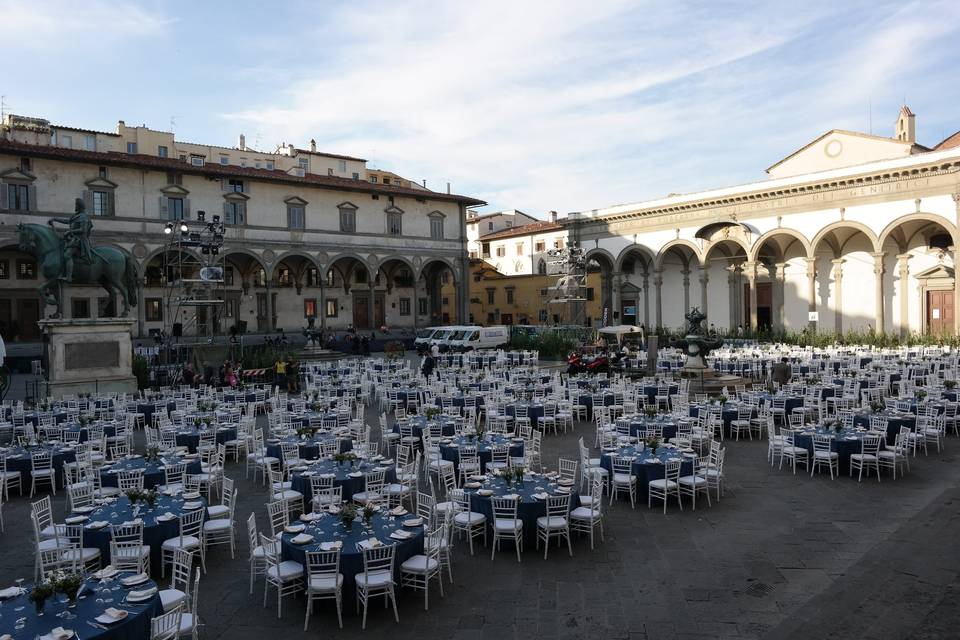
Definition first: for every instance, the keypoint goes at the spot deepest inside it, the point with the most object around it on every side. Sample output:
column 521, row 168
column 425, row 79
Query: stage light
column 201, row 215
column 169, row 228
column 216, row 217
column 183, row 227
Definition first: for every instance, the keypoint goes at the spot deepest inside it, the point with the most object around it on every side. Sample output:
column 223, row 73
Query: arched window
column 542, row 267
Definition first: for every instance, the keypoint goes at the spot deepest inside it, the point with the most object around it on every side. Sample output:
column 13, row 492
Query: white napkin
column 59, row 633
column 97, row 524
column 293, row 528
column 75, row 519
column 111, row 615
column 400, row 534
column 330, row 546
column 137, row 579
column 370, row 543
column 142, row 594
column 302, row 538
column 10, row 592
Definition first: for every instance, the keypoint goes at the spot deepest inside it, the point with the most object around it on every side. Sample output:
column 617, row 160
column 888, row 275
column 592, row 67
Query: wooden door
column 940, row 311
column 28, row 313
column 361, row 311
column 378, row 312
column 6, row 319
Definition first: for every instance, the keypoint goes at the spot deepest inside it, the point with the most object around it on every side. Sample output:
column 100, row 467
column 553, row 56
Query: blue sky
column 532, row 105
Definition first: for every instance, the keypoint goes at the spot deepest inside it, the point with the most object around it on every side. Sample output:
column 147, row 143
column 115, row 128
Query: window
column 473, row 255
column 386, row 180
column 404, row 278
column 445, row 301
column 491, row 296
column 269, row 166
column 309, row 307
column 422, row 306
column 518, row 266
column 519, row 248
column 490, row 226
column 259, row 278
column 542, row 267
column 509, row 295
column 4, row 269
column 373, row 179
column 228, row 277
column 235, row 212
column 394, row 226
column 374, row 196
column 66, row 141
column 283, row 277
column 331, row 277
column 436, row 228
column 360, row 276
column 558, row 243
column 236, row 186
column 543, row 315
column 90, row 143
column 404, row 306
column 330, row 171
column 445, row 277
column 589, row 293
column 26, row 270
column 175, row 208
column 102, row 172
column 162, row 151
column 356, row 176
column 296, row 218
column 196, row 161
column 79, row 308
column 224, row 159
column 18, row 197
column 102, row 203
column 174, row 178
column 485, row 247
column 183, row 157
column 131, row 147
column 331, row 310
column 501, row 251
column 540, row 246
column 313, row 277
column 304, row 163
column 348, row 219
column 508, row 223
column 25, row 165
column 342, row 166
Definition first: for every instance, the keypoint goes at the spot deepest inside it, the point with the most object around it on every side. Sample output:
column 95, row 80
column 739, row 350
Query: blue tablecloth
column 18, row 459
column 451, row 451
column 190, row 436
column 894, row 422
column 350, row 484
column 638, row 426
column 154, row 531
column 33, row 417
column 149, row 408
column 108, row 430
column 846, row 442
column 309, row 448
column 650, row 392
column 136, row 626
column 329, row 529
column 643, row 468
column 154, row 473
column 528, row 510
column 728, row 414
column 419, row 424
column 534, row 412
column 586, row 399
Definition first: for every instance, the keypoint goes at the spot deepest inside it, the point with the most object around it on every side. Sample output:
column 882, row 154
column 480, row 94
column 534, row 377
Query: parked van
column 471, row 338
column 424, row 336
column 447, row 337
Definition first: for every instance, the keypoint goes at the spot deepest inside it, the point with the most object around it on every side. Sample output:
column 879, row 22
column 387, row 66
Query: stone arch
column 712, row 245
column 293, row 253
column 599, row 252
column 643, row 250
column 754, row 253
column 917, row 217
column 332, row 263
column 433, row 261
column 673, row 244
column 844, row 224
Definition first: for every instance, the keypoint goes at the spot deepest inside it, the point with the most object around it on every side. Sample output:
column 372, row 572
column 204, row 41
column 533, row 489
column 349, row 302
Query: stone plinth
column 89, row 356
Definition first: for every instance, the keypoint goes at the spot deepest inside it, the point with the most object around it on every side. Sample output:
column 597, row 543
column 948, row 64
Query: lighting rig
column 570, row 267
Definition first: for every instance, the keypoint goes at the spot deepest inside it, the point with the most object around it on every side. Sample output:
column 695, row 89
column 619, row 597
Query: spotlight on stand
column 216, row 218
column 201, row 215
column 168, row 229
column 215, row 250
column 183, row 227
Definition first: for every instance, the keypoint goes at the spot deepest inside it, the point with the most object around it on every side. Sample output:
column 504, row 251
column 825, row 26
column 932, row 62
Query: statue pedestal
column 89, row 356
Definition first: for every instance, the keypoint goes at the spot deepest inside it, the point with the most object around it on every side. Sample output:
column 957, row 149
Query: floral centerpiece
column 69, row 584
column 197, row 422
column 347, row 456
column 368, row 511
column 431, row 412
column 40, row 593
column 306, row 431
column 920, row 394
column 653, row 443
column 207, row 420
column 83, row 420
column 950, row 384
column 650, row 412
column 348, row 513
column 152, row 453
column 876, row 407
column 518, row 472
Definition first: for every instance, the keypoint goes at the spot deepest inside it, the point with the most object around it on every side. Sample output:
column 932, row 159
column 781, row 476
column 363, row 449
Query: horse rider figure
column 76, row 240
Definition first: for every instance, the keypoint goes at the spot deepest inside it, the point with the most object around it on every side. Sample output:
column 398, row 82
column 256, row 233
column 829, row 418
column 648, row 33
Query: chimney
column 553, row 216
column 242, row 145
column 448, row 187
column 120, row 125
column 313, row 145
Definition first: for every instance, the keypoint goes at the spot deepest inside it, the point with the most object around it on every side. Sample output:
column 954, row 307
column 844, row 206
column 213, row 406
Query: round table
column 845, row 442
column 90, row 604
column 19, row 459
column 149, row 408
column 534, row 411
column 119, row 510
column 419, row 424
column 108, row 430
column 647, row 465
column 639, row 425
column 309, row 447
column 154, row 472
column 349, row 477
column 650, row 391
column 189, row 437
column 328, row 528
column 529, row 509
column 450, row 448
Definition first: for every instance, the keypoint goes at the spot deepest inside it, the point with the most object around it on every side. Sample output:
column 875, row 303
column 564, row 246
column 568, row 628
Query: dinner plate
column 141, row 596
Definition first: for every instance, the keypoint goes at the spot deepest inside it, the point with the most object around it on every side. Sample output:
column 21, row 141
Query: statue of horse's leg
column 50, row 292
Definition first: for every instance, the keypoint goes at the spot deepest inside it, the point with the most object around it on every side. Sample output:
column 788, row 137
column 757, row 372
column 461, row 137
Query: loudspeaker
column 177, row 330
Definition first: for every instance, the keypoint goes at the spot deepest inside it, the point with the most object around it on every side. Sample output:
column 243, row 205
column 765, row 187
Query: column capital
column 903, row 257
column 838, row 261
column 878, row 262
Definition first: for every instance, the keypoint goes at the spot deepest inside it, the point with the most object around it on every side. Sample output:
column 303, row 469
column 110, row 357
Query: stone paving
column 781, row 556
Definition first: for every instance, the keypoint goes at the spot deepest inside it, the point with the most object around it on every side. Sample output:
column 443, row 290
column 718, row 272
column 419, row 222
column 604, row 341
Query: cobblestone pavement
column 781, row 556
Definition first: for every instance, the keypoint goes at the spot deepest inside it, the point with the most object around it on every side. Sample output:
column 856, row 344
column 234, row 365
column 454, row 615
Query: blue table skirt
column 458, row 401
column 154, row 532
column 109, row 431
column 153, row 475
column 351, row 559
column 650, row 392
column 349, row 485
column 893, row 424
column 34, row 418
column 149, row 408
column 136, row 626
column 586, row 399
column 639, row 427
column 727, row 416
column 309, row 448
column 645, row 471
column 528, row 510
column 534, row 412
column 191, row 439
column 24, row 465
column 419, row 424
column 451, row 453
column 841, row 445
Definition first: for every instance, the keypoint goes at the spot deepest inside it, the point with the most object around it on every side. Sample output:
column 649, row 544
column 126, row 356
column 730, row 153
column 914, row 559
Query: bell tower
column 906, row 127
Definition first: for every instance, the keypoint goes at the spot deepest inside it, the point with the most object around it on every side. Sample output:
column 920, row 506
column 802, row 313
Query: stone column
column 812, row 290
column 646, row 299
column 878, row 290
column 704, row 281
column 903, row 272
column 372, row 307
column 658, row 284
column 269, row 306
column 778, row 275
column 322, row 311
column 686, row 290
column 956, row 278
column 615, row 298
column 838, row 296
column 751, row 269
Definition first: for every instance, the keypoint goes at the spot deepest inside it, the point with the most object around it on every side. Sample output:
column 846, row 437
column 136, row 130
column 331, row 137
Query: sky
column 538, row 106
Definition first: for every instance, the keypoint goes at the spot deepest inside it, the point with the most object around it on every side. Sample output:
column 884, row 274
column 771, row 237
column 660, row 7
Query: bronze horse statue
column 110, row 268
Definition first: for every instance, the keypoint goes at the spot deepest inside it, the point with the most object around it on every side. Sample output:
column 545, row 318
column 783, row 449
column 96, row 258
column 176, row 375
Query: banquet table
column 534, row 411
column 419, row 424
column 119, row 510
column 148, row 409
column 530, row 507
column 18, row 615
column 639, row 425
column 109, row 430
column 586, row 399
column 154, row 472
column 328, row 528
column 33, row 417
column 450, row 448
column 309, row 447
column 650, row 392
column 895, row 420
column 190, row 436
column 351, row 478
column 845, row 442
column 728, row 413
column 19, row 459
column 647, row 465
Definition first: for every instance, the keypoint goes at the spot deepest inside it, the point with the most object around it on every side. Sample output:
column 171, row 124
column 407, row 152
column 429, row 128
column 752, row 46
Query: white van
column 423, row 338
column 446, row 337
column 471, row 338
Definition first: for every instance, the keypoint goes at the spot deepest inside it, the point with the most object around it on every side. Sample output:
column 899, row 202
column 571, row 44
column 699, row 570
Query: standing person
column 365, row 345
column 643, row 336
column 208, row 374
column 292, row 375
column 279, row 372
column 435, row 350
column 426, row 366
column 189, row 377
column 781, row 373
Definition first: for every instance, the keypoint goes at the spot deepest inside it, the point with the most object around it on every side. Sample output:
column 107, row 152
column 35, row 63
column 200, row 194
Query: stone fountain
column 697, row 345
